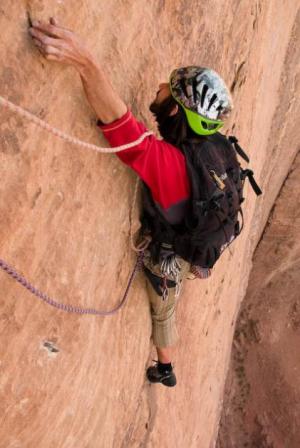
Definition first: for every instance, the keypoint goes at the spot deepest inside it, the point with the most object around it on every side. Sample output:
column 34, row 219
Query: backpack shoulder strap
column 249, row 173
column 196, row 174
column 237, row 147
column 245, row 173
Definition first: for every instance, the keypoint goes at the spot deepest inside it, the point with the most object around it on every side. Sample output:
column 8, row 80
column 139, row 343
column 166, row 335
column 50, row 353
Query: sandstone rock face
column 70, row 381
column 262, row 399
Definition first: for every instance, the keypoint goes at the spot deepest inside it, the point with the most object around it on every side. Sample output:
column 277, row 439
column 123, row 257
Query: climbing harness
column 140, row 249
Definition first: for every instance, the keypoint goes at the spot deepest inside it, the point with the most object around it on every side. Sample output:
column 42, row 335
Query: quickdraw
column 170, row 267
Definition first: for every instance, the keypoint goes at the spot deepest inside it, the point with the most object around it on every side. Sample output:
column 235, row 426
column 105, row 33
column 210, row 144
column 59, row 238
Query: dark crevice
column 50, row 347
column 270, row 217
column 236, row 78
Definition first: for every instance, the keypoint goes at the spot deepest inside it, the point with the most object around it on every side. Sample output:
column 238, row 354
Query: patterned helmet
column 204, row 97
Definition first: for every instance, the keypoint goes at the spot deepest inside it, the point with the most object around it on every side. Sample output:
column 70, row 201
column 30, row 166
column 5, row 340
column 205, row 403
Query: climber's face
column 162, row 93
column 163, row 96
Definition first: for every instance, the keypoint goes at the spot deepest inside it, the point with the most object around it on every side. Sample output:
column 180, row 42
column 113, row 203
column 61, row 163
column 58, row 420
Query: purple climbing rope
column 140, row 249
column 70, row 308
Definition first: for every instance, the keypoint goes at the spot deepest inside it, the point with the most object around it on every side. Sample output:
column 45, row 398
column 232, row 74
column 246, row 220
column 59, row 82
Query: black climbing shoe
column 167, row 378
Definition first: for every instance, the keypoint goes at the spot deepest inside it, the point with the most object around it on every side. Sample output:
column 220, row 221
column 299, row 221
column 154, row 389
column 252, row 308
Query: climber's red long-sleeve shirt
column 159, row 164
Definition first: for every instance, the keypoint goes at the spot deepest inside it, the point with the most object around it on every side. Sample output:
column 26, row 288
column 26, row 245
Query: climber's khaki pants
column 164, row 331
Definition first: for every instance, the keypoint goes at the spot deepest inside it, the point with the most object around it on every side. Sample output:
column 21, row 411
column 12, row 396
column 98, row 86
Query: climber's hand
column 59, row 44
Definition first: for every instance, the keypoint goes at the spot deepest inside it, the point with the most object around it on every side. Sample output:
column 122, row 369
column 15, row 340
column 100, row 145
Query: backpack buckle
column 217, row 180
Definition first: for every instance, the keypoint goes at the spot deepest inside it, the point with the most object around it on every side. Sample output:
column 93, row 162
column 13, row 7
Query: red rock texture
column 262, row 395
column 70, row 381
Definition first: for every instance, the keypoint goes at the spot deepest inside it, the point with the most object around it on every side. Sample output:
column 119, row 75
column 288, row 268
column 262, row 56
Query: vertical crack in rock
column 152, row 406
column 238, row 77
column 140, row 429
column 270, row 217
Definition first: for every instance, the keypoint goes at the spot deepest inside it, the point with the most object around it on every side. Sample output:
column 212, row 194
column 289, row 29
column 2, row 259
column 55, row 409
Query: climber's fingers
column 52, row 53
column 69, row 47
column 50, row 29
column 54, row 22
column 48, row 51
column 44, row 38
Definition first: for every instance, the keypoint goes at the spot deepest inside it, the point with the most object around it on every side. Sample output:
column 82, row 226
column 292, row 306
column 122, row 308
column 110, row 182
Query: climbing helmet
column 203, row 95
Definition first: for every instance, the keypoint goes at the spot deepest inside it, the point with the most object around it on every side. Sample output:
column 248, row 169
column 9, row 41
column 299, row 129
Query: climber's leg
column 164, row 331
column 164, row 355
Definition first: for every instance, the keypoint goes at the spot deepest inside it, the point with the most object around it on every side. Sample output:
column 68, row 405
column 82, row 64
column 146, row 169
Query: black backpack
column 212, row 221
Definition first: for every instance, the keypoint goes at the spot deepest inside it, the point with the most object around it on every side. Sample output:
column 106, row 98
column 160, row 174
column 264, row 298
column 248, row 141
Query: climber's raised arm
column 62, row 45
column 152, row 158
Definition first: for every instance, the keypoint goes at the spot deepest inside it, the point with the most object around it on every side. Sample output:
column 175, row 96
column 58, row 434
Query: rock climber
column 192, row 106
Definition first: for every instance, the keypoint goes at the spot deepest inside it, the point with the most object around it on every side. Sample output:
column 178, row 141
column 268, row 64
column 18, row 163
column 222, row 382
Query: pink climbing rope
column 140, row 249
column 75, row 141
